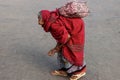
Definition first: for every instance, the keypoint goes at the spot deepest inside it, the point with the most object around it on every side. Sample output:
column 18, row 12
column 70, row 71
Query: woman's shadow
column 37, row 57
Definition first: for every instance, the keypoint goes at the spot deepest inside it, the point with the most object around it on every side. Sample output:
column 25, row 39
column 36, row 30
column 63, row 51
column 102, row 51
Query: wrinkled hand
column 53, row 51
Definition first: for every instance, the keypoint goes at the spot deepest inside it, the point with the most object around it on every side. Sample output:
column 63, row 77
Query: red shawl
column 60, row 27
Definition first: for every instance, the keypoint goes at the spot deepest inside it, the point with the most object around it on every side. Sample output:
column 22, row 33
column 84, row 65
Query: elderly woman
column 69, row 35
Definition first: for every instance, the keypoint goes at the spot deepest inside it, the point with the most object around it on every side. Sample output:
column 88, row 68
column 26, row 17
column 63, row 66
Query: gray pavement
column 24, row 45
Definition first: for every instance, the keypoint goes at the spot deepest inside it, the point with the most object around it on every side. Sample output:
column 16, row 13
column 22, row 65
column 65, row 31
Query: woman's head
column 43, row 17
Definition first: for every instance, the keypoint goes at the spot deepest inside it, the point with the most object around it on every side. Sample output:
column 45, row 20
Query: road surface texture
column 24, row 44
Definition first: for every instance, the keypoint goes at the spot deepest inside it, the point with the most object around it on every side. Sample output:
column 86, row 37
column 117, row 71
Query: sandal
column 59, row 73
column 77, row 76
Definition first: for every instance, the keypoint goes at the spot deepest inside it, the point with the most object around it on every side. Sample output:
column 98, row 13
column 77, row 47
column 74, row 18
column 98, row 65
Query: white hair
column 39, row 15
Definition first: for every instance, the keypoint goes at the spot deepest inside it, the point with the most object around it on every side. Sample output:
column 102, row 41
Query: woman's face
column 40, row 21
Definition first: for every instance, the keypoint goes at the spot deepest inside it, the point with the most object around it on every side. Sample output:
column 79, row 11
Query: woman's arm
column 58, row 47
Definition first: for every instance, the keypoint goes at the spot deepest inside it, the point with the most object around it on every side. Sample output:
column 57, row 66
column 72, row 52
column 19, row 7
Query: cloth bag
column 74, row 9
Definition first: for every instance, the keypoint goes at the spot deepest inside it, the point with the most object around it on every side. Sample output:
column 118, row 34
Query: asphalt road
column 24, row 44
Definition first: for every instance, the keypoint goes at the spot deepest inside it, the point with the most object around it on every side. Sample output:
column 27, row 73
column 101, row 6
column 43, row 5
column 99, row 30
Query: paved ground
column 24, row 45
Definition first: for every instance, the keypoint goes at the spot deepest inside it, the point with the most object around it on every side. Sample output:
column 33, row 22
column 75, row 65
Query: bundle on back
column 74, row 8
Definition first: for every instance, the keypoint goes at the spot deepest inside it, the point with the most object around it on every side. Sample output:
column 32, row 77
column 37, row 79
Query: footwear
column 59, row 73
column 77, row 75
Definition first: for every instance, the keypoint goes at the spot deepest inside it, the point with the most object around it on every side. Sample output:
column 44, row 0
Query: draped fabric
column 67, row 66
column 60, row 27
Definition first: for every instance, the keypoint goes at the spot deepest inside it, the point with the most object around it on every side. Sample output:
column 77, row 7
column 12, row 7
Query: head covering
column 48, row 18
column 45, row 14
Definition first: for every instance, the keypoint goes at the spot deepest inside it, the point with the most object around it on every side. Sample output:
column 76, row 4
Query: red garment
column 60, row 27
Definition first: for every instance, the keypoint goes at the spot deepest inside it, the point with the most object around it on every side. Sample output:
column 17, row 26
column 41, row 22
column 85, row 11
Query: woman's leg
column 61, row 63
column 75, row 72
column 78, row 74
column 68, row 69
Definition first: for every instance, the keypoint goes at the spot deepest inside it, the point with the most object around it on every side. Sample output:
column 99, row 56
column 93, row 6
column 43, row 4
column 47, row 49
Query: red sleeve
column 59, row 33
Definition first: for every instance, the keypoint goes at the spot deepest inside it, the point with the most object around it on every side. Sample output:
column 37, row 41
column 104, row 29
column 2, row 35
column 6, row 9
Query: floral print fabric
column 74, row 9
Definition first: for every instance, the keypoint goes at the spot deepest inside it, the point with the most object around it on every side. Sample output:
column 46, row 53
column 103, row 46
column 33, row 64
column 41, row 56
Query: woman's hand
column 51, row 52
